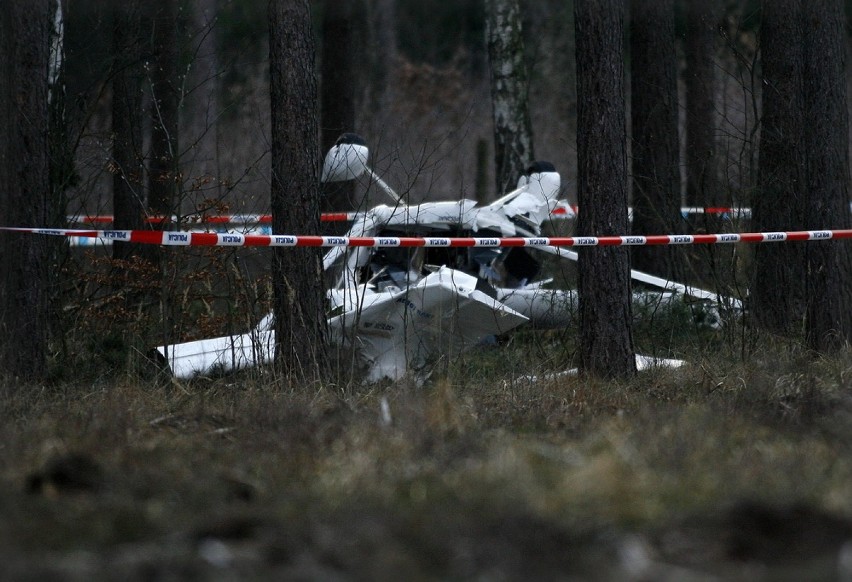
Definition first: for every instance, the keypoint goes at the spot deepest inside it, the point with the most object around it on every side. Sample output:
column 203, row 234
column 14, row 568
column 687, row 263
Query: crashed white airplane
column 399, row 308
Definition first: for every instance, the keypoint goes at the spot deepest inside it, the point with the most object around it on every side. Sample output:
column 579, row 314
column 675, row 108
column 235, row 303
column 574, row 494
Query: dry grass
column 735, row 468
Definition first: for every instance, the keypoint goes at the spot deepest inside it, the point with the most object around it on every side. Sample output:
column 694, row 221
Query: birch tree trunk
column 513, row 140
column 62, row 172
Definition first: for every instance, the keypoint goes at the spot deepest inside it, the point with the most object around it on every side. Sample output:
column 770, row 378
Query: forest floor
column 735, row 467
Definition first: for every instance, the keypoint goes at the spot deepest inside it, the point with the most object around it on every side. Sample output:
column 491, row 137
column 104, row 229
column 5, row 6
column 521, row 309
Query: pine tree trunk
column 804, row 173
column 826, row 146
column 777, row 290
column 24, row 173
column 604, row 272
column 202, row 103
column 513, row 141
column 654, row 113
column 165, row 98
column 381, row 52
column 343, row 33
column 128, row 193
column 300, row 321
column 702, row 188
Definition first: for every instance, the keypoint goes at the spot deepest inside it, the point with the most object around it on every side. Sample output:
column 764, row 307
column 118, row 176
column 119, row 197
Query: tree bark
column 702, row 187
column 777, row 290
column 343, row 34
column 603, row 272
column 300, row 321
column 381, row 51
column 826, row 146
column 24, row 173
column 61, row 160
column 513, row 140
column 165, row 99
column 804, row 173
column 339, row 73
column 654, row 114
column 128, row 193
column 62, row 171
column 202, row 103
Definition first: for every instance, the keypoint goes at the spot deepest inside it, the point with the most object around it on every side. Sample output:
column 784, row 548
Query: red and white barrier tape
column 188, row 238
column 558, row 212
column 209, row 218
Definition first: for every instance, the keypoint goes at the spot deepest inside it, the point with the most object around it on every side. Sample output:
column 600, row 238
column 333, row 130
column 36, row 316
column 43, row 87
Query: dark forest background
column 164, row 108
column 422, row 98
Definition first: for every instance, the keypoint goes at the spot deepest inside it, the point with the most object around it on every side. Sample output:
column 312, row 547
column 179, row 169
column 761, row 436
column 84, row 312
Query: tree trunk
column 777, row 290
column 24, row 173
column 654, row 113
column 62, row 172
column 513, row 141
column 381, row 51
column 165, row 98
column 804, row 173
column 826, row 146
column 702, row 187
column 300, row 321
column 343, row 33
column 128, row 194
column 603, row 272
column 202, row 103
column 61, row 160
